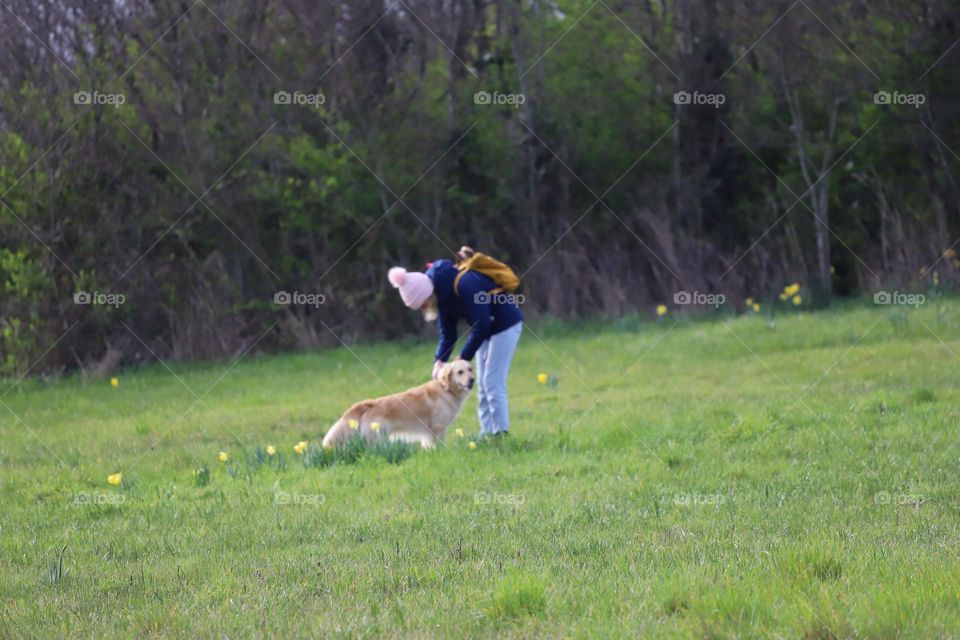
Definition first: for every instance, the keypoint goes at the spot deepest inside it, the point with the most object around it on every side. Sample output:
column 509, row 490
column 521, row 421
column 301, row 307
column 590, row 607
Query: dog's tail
column 341, row 429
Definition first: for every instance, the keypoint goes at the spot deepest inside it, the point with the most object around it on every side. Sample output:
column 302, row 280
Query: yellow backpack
column 501, row 274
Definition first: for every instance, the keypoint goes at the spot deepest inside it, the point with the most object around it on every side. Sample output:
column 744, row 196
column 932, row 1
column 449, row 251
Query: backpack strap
column 456, row 284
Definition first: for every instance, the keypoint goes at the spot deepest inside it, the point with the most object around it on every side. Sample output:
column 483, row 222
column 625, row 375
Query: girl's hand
column 437, row 368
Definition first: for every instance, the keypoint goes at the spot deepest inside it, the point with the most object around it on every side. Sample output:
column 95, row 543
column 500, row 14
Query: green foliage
column 23, row 284
column 354, row 449
column 201, row 196
column 518, row 595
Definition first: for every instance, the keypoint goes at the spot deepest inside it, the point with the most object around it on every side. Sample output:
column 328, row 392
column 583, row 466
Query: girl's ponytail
column 465, row 253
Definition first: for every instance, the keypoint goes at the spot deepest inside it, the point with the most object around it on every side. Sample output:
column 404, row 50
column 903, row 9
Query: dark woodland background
column 200, row 197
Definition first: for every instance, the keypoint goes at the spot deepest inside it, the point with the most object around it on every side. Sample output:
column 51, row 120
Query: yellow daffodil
column 114, row 382
column 661, row 309
column 353, row 424
column 756, row 307
column 115, row 479
column 791, row 290
column 797, row 301
column 748, row 302
column 375, row 426
column 300, row 447
column 472, row 445
column 271, row 450
column 542, row 378
column 784, row 296
column 459, row 433
column 223, row 456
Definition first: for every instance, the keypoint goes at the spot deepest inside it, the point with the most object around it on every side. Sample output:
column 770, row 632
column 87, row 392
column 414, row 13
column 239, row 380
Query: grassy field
column 789, row 476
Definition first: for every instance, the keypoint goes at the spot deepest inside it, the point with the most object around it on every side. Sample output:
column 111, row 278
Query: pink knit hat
column 415, row 287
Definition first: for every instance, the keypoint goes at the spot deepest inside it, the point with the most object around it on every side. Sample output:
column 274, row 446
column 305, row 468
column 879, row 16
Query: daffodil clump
column 201, row 476
column 791, row 293
column 547, row 379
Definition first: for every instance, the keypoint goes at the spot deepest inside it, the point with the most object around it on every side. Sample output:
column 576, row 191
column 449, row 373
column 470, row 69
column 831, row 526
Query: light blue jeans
column 493, row 365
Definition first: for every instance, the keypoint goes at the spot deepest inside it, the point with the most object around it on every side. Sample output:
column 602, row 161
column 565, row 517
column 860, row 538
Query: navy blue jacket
column 486, row 314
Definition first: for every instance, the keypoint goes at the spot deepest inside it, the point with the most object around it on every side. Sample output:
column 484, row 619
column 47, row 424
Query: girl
column 495, row 324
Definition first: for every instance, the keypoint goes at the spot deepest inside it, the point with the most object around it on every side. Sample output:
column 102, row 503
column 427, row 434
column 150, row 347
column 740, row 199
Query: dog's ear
column 446, row 376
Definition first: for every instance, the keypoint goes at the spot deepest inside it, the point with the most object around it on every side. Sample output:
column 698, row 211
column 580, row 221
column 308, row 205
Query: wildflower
column 115, row 478
column 791, row 290
column 756, row 307
column 300, row 447
column 661, row 309
column 472, row 445
column 114, row 382
column 353, row 424
column 748, row 302
column 542, row 378
column 271, row 450
column 459, row 433
column 784, row 296
column 223, row 456
column 797, row 301
column 375, row 426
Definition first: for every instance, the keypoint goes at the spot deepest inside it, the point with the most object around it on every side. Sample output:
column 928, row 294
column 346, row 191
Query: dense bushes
column 204, row 173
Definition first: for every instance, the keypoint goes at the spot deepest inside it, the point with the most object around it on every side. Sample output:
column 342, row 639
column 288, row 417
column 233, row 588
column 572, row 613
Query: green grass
column 741, row 477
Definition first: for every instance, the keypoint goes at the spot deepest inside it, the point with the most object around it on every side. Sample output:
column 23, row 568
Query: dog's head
column 457, row 376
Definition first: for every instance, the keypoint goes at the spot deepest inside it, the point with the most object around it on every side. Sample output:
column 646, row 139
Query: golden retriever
column 420, row 415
